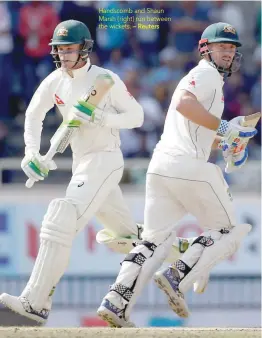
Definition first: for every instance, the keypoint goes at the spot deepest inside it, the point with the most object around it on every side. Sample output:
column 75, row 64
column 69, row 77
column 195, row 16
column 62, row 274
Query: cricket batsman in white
column 180, row 180
column 97, row 162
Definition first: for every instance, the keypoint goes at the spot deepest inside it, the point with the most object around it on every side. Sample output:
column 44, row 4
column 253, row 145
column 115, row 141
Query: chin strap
column 225, row 73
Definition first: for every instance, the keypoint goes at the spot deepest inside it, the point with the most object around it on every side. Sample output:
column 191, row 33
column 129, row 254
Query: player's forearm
column 34, row 117
column 32, row 134
column 126, row 120
column 40, row 104
column 195, row 112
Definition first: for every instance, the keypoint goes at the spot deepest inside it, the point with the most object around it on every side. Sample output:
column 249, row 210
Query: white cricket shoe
column 168, row 280
column 113, row 315
column 22, row 306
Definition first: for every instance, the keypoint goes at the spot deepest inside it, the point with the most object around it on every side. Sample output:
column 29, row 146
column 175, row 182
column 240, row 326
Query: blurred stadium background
column 150, row 62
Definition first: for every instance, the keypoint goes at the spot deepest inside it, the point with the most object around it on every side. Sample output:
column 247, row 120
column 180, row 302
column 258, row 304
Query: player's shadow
column 10, row 318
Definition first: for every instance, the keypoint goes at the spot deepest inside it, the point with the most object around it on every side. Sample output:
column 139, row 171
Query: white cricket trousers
column 179, row 185
column 94, row 189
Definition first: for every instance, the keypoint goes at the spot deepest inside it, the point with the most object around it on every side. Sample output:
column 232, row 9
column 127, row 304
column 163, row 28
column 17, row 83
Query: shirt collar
column 204, row 62
column 80, row 71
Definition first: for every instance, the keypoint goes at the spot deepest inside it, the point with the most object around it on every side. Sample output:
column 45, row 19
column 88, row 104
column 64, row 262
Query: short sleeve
column 200, row 83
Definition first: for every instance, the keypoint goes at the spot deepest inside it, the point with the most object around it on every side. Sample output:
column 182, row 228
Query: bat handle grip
column 29, row 183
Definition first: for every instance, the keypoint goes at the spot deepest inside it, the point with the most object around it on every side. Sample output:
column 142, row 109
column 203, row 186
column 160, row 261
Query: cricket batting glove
column 35, row 168
column 234, row 158
column 233, row 132
column 238, row 160
column 87, row 113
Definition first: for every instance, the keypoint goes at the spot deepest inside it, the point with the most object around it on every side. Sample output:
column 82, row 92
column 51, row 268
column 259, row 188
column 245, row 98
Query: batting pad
column 57, row 233
column 222, row 249
column 135, row 276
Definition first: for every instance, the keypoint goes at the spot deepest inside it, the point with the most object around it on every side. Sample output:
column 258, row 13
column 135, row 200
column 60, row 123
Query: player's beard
column 221, row 60
column 225, row 63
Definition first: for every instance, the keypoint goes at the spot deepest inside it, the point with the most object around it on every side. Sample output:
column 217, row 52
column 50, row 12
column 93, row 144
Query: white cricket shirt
column 182, row 137
column 59, row 88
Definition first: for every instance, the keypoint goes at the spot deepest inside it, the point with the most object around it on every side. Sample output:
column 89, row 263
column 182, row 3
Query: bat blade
column 102, row 85
column 63, row 135
column 251, row 120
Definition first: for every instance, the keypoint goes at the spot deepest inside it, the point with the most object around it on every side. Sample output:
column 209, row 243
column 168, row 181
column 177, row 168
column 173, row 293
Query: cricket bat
column 247, row 121
column 63, row 135
column 251, row 120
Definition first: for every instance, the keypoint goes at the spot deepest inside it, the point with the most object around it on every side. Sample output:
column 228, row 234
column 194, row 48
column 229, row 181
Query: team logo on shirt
column 62, row 32
column 59, row 102
column 229, row 29
column 192, row 83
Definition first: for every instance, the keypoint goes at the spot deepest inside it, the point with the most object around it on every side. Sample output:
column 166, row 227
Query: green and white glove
column 35, row 167
column 87, row 113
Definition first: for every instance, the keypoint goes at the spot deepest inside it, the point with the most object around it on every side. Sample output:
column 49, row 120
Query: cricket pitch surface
column 27, row 332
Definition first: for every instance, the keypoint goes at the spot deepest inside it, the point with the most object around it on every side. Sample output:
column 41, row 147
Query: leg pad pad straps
column 204, row 241
column 122, row 290
column 182, row 266
column 151, row 246
column 137, row 258
column 133, row 262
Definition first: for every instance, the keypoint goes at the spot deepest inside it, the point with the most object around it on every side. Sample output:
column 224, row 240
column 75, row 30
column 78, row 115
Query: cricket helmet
column 221, row 32
column 71, row 32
